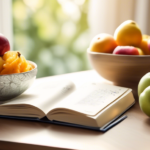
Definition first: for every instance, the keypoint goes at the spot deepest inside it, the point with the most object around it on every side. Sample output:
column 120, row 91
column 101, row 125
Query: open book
column 93, row 105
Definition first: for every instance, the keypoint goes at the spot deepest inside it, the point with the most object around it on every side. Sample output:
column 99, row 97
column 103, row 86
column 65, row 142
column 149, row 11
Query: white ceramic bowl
column 12, row 85
column 123, row 70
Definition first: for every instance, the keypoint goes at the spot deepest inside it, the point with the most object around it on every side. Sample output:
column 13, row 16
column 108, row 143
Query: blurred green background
column 52, row 33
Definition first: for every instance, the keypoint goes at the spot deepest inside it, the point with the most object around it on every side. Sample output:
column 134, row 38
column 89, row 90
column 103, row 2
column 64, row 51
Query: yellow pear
column 128, row 34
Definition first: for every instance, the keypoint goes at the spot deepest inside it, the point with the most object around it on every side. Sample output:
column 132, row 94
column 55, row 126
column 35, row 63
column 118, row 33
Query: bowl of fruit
column 122, row 58
column 16, row 73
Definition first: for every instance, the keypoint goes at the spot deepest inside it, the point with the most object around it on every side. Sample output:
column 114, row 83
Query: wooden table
column 131, row 134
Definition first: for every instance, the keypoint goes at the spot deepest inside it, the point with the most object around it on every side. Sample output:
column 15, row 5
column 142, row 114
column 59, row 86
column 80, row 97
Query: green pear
column 144, row 101
column 143, row 83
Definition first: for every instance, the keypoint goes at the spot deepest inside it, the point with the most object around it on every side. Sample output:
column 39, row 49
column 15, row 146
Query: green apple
column 144, row 94
column 143, row 83
column 144, row 101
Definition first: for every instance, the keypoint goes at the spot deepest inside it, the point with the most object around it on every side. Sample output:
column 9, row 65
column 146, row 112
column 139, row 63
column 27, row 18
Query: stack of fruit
column 11, row 61
column 127, row 40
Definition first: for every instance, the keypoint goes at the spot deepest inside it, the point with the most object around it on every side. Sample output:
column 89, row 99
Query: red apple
column 4, row 44
column 149, row 44
column 126, row 50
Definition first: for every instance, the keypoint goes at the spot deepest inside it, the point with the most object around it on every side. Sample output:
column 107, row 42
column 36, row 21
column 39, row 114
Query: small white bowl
column 12, row 85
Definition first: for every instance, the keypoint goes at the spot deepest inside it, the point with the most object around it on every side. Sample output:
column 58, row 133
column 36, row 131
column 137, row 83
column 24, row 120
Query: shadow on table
column 23, row 128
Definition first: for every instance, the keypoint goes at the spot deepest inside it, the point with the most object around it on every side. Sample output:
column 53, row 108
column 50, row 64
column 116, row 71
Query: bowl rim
column 33, row 63
column 119, row 55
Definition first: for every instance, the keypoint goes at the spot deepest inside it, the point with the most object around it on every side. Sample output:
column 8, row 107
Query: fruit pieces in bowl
column 13, row 62
column 12, row 85
column 16, row 73
column 127, row 40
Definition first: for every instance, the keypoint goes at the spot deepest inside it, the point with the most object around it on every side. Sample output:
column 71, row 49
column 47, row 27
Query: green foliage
column 53, row 34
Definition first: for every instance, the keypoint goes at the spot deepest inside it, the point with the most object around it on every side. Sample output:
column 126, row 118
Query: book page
column 92, row 98
column 44, row 95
